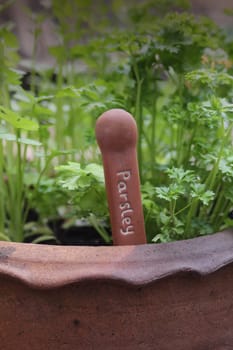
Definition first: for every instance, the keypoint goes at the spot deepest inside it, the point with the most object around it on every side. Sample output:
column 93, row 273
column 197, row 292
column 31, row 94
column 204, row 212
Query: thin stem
column 212, row 176
column 4, row 100
column 218, row 207
column 179, row 144
column 33, row 62
column 2, row 190
column 138, row 114
column 182, row 209
column 16, row 197
column 153, row 130
column 102, row 232
column 191, row 214
column 189, row 147
column 60, row 127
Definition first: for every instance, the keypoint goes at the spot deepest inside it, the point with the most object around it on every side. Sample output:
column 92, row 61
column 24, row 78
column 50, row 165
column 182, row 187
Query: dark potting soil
column 80, row 234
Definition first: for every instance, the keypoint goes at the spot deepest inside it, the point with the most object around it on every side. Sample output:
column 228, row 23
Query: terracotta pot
column 166, row 296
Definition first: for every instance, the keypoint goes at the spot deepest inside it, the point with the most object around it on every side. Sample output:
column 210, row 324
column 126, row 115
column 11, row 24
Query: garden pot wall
column 167, row 296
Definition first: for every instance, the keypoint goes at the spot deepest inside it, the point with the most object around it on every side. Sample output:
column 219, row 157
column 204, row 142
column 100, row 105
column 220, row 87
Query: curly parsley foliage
column 181, row 200
column 86, row 186
column 86, row 190
column 173, row 72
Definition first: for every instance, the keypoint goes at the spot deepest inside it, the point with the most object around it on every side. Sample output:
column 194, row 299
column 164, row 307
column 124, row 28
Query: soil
column 81, row 234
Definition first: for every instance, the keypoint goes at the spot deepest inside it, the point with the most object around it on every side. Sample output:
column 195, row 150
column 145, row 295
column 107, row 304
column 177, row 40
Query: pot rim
column 47, row 266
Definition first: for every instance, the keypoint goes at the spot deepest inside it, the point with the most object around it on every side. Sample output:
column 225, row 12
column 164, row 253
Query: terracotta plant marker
column 116, row 134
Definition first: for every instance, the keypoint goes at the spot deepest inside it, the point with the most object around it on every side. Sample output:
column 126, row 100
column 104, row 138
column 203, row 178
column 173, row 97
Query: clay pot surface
column 166, row 296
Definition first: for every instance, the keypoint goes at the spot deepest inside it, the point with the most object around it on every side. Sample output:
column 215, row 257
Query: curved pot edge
column 45, row 267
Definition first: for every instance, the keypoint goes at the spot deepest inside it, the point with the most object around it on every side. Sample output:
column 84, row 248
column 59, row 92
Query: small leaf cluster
column 86, row 187
column 182, row 197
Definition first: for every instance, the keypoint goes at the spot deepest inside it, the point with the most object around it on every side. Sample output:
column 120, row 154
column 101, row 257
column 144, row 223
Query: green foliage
column 182, row 198
column 87, row 187
column 170, row 69
column 16, row 121
column 87, row 192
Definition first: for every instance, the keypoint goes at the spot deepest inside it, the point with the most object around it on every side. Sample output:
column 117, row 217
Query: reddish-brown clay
column 166, row 297
column 116, row 133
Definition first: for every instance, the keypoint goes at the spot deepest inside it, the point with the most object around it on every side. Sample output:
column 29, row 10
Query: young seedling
column 116, row 134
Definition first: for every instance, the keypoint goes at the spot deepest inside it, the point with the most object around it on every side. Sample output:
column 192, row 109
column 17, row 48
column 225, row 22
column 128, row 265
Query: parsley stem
column 2, row 192
column 153, row 136
column 138, row 114
column 182, row 209
column 212, row 175
column 218, row 207
column 191, row 214
column 102, row 232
